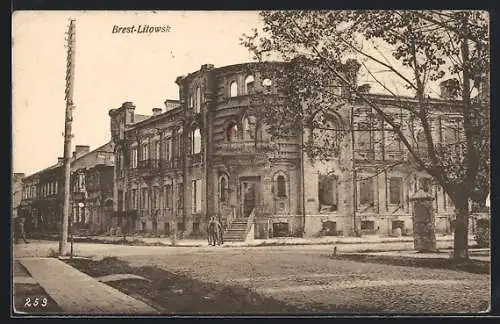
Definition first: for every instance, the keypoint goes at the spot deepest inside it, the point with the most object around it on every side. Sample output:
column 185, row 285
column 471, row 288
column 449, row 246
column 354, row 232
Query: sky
column 109, row 70
column 112, row 68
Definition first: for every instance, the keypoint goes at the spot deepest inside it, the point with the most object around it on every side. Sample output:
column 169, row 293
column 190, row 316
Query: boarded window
column 395, row 190
column 329, row 228
column 281, row 184
column 367, row 225
column 280, row 229
column 398, row 224
column 366, row 192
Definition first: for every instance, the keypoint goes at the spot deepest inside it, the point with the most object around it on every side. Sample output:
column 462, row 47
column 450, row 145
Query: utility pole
column 70, row 69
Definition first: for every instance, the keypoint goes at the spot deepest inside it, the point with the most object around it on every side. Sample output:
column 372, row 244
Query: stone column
column 424, row 231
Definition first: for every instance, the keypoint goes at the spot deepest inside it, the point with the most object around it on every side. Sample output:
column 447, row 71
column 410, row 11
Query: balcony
column 244, row 147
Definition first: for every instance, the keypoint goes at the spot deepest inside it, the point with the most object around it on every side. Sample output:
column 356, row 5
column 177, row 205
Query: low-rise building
column 42, row 197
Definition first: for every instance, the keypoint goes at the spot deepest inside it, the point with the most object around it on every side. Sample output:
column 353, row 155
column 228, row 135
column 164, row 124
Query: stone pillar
column 424, row 231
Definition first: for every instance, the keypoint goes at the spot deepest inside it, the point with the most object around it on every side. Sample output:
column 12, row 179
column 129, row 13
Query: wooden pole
column 70, row 65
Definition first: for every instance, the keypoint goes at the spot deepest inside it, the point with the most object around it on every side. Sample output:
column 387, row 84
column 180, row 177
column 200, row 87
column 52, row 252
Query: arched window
column 281, row 186
column 233, row 89
column 196, row 141
column 178, row 142
column 197, row 106
column 249, row 82
column 223, row 189
column 232, row 132
column 191, row 101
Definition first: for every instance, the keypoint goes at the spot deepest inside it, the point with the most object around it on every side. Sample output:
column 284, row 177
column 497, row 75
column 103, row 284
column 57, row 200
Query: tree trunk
column 460, row 243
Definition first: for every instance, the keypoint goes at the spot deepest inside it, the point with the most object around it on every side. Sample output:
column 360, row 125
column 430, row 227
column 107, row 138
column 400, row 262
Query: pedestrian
column 20, row 230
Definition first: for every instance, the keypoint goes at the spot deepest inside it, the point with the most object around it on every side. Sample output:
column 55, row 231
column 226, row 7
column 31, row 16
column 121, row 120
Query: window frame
column 235, row 93
column 365, row 184
column 399, row 193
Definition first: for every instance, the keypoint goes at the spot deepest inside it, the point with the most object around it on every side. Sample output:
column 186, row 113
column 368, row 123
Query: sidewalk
column 259, row 242
column 78, row 293
column 474, row 254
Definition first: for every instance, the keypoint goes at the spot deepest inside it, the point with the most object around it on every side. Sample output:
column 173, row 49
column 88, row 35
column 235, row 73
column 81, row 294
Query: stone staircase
column 236, row 231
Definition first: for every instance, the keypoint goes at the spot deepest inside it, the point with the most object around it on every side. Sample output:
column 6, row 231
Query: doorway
column 249, row 195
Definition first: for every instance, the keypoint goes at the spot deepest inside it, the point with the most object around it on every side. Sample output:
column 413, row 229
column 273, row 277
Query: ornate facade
column 208, row 154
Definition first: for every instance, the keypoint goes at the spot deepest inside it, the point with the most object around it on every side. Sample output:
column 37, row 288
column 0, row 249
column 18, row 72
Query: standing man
column 20, row 230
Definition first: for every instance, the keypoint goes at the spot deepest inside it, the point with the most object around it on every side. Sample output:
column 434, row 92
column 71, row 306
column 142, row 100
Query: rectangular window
column 156, row 198
column 366, row 192
column 395, row 190
column 168, row 148
column 168, row 196
column 180, row 196
column 120, row 200
column 133, row 158
column 179, row 144
column 196, row 196
column 133, row 198
column 327, row 192
column 425, row 184
column 367, row 225
column 144, row 199
column 157, row 150
column 144, row 152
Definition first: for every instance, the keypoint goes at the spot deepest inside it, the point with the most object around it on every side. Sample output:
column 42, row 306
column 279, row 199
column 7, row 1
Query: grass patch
column 472, row 266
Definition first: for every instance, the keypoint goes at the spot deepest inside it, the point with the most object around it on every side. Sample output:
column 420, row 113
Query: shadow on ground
column 178, row 294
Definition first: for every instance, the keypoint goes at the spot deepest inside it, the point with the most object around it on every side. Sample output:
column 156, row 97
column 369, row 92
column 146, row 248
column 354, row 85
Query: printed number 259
column 35, row 302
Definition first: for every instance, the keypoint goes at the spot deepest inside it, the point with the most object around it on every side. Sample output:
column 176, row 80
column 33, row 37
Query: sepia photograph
column 250, row 163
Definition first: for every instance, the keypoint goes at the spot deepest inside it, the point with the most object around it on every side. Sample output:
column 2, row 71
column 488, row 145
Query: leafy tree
column 396, row 51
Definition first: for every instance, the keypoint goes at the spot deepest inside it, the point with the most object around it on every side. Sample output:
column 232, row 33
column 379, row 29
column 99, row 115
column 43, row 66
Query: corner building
column 208, row 154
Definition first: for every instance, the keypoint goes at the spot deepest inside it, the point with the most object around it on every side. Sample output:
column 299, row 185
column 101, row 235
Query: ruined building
column 209, row 154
